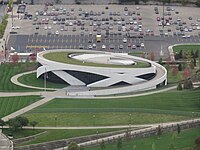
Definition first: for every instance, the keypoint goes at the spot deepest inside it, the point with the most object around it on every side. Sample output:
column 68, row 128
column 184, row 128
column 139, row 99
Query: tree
column 152, row 56
column 2, row 123
column 145, row 1
column 17, row 123
column 15, row 58
column 33, row 57
column 179, row 87
column 180, row 67
column 181, row 54
column 128, row 135
column 175, row 71
column 187, row 84
column 178, row 128
column 13, row 125
column 119, row 143
column 134, row 147
column 160, row 61
column 159, row 132
column 10, row 4
column 194, row 62
column 33, row 123
column 192, row 53
column 171, row 147
column 73, row 146
column 184, row 2
column 196, row 54
column 198, row 3
column 102, row 145
column 153, row 146
column 23, row 120
column 191, row 65
column 197, row 141
column 186, row 73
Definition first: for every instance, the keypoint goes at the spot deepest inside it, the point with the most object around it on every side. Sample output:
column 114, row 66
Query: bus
column 98, row 38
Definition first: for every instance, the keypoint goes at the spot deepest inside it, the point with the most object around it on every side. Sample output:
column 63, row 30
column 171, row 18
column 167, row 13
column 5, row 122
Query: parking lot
column 123, row 28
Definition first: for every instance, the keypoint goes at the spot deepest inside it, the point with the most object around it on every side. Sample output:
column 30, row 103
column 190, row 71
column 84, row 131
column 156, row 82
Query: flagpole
column 45, row 78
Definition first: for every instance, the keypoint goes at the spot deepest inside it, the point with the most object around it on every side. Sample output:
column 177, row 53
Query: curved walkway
column 14, row 80
column 48, row 96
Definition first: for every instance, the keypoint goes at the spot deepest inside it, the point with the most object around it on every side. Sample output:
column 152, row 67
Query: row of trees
column 183, row 55
column 3, row 25
column 183, row 2
column 17, row 123
column 15, row 58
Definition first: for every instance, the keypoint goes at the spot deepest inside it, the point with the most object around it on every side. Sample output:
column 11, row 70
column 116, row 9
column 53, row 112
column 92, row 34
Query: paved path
column 5, row 143
column 153, row 126
column 14, row 80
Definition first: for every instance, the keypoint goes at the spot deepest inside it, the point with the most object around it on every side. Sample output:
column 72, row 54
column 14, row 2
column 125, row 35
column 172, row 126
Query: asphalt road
column 28, row 43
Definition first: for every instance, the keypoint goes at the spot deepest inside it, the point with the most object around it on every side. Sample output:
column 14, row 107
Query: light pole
column 93, row 120
column 45, row 79
column 130, row 120
column 55, row 120
column 192, row 116
column 163, row 13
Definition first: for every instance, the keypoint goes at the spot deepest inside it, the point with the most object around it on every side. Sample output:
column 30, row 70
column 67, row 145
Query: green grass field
column 161, row 107
column 32, row 80
column 9, row 70
column 52, row 135
column 62, row 57
column 183, row 140
column 172, row 78
column 186, row 48
column 12, row 104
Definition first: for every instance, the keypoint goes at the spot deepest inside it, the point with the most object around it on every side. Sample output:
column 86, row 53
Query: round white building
column 104, row 73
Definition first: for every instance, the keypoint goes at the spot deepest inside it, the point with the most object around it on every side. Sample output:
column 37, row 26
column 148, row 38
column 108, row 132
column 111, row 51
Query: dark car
column 125, row 9
column 112, row 46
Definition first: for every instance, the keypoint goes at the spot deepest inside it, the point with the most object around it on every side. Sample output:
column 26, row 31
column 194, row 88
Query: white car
column 198, row 27
column 160, row 23
column 183, row 36
column 103, row 46
column 186, row 29
column 142, row 45
column 90, row 46
column 15, row 27
column 49, row 27
column 133, row 47
column 188, row 36
column 124, row 40
column 94, row 45
column 57, row 32
column 137, row 8
column 45, row 27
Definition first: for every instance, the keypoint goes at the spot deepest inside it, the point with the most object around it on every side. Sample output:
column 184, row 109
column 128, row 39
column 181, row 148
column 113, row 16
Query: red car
column 139, row 18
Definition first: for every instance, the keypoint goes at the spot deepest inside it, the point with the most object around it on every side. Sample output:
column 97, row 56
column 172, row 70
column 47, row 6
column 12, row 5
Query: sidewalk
column 5, row 143
column 4, row 40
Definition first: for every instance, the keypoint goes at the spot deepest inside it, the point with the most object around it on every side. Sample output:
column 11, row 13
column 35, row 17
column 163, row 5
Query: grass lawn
column 52, row 135
column 9, row 105
column 32, row 80
column 161, row 107
column 184, row 140
column 186, row 48
column 9, row 70
column 172, row 78
column 62, row 57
